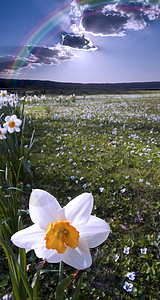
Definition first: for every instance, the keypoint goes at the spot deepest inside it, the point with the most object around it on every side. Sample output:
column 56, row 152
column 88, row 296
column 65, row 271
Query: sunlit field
column 107, row 145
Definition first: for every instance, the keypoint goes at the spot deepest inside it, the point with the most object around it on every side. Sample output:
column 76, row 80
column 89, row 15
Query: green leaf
column 5, row 280
column 16, row 272
column 35, row 284
column 12, row 268
column 26, row 166
column 59, row 293
column 26, row 284
column 78, row 288
column 22, row 252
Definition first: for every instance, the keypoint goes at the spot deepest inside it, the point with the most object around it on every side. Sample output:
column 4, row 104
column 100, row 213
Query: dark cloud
column 113, row 19
column 78, row 42
column 99, row 23
column 37, row 56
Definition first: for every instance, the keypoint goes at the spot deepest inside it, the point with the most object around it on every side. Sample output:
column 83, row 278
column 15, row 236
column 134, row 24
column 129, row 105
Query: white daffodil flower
column 12, row 123
column 3, row 94
column 12, row 100
column 2, row 133
column 62, row 234
column 4, row 97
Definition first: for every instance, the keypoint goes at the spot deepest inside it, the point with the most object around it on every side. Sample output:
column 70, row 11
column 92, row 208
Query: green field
column 108, row 145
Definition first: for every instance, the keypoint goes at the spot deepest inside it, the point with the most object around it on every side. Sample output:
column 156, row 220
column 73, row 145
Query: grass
column 108, row 145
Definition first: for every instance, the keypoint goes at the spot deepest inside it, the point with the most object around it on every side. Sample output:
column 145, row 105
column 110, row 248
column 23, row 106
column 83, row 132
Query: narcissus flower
column 62, row 234
column 2, row 133
column 3, row 94
column 12, row 123
column 12, row 100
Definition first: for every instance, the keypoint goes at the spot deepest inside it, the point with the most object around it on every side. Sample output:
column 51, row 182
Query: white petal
column 5, row 125
column 2, row 137
column 61, row 214
column 11, row 130
column 43, row 207
column 4, row 130
column 7, row 119
column 55, row 257
column 79, row 209
column 13, row 118
column 79, row 258
column 18, row 122
column 17, row 129
column 52, row 256
column 94, row 232
column 29, row 238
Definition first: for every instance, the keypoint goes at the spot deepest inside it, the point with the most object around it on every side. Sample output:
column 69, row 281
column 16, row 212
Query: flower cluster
column 128, row 285
column 12, row 123
column 7, row 99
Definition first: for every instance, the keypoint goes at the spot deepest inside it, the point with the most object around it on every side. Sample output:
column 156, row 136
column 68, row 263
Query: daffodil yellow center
column 60, row 235
column 3, row 95
column 11, row 124
column 0, row 132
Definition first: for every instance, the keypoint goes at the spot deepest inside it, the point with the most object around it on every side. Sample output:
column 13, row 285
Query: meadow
column 107, row 145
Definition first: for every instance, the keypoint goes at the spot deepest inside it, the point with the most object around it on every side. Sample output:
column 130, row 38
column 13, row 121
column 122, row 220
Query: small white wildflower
column 84, row 186
column 123, row 190
column 126, row 250
column 28, row 185
column 116, row 257
column 131, row 275
column 143, row 250
column 140, row 180
column 128, row 286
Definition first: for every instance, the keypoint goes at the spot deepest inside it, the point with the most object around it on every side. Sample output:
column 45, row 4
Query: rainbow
column 37, row 33
column 44, row 27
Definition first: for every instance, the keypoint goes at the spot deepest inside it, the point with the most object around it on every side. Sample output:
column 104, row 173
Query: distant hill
column 60, row 87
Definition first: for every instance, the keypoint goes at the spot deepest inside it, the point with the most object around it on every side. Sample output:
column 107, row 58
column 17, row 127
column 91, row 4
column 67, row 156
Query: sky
column 83, row 41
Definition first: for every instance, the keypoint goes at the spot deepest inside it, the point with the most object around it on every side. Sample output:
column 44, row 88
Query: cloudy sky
column 80, row 41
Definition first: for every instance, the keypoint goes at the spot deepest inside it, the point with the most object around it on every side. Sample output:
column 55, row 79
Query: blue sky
column 83, row 41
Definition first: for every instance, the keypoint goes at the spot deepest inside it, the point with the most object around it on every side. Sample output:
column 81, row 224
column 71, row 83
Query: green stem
column 60, row 271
